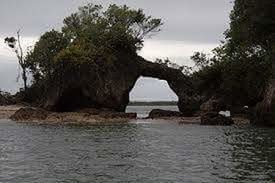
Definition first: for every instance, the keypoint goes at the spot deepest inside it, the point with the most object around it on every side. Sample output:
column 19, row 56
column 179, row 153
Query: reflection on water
column 253, row 153
column 166, row 152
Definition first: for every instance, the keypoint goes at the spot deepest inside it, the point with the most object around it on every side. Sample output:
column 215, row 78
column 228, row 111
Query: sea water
column 135, row 152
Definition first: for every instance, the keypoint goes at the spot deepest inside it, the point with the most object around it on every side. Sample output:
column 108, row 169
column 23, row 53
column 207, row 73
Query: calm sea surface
column 135, row 152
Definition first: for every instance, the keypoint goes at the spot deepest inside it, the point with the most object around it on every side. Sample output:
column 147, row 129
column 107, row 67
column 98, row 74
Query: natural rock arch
column 177, row 81
column 107, row 85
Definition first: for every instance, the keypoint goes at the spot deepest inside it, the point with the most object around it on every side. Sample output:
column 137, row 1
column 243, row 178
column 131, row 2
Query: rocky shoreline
column 7, row 111
column 23, row 114
column 38, row 115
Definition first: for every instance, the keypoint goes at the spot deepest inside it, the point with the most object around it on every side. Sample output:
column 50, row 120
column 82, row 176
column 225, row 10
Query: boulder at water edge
column 214, row 118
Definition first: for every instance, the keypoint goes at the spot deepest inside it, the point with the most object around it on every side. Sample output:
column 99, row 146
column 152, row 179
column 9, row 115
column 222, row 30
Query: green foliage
column 201, row 60
column 74, row 54
column 40, row 59
column 241, row 66
column 118, row 28
column 168, row 63
column 241, row 82
column 90, row 34
column 251, row 28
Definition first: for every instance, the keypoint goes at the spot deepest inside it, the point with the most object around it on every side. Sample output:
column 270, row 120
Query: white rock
column 225, row 113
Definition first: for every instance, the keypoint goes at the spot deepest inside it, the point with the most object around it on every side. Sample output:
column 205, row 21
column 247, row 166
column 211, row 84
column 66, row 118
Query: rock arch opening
column 149, row 94
column 149, row 89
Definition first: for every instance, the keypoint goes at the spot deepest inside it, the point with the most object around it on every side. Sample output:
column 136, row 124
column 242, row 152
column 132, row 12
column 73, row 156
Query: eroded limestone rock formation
column 103, row 84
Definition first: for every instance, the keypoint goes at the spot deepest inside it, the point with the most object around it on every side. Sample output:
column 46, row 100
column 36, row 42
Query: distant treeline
column 152, row 103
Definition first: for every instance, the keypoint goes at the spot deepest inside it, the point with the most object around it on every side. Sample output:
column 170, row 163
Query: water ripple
column 136, row 153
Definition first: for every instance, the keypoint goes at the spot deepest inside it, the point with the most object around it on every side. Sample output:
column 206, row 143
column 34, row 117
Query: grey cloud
column 8, row 74
column 186, row 20
column 198, row 21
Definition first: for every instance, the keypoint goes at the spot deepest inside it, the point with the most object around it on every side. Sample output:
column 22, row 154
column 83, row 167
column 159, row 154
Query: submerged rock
column 159, row 113
column 214, row 118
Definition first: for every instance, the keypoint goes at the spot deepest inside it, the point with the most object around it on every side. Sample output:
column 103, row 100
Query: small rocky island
column 85, row 72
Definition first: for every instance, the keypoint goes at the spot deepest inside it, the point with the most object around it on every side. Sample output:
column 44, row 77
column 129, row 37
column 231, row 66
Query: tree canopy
column 241, row 65
column 251, row 28
column 90, row 33
column 40, row 59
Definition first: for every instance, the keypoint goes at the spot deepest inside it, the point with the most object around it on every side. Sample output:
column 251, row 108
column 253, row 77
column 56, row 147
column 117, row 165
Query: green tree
column 251, row 28
column 117, row 28
column 251, row 35
column 187, row 70
column 91, row 33
column 240, row 66
column 202, row 60
column 40, row 60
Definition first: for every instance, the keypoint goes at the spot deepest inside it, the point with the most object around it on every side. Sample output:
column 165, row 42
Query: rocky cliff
column 107, row 84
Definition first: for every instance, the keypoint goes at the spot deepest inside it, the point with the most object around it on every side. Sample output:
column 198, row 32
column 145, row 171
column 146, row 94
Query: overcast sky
column 189, row 26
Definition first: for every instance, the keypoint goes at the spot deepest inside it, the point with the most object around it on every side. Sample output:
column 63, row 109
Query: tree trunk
column 24, row 76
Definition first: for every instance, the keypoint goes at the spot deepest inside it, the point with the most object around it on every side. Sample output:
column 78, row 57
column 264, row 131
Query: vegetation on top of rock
column 93, row 36
column 90, row 34
column 186, row 70
column 93, row 60
column 40, row 60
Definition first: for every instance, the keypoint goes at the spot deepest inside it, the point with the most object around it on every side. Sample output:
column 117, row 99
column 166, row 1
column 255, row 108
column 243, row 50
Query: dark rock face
column 159, row 113
column 98, row 85
column 213, row 104
column 264, row 113
column 214, row 118
column 107, row 85
column 240, row 111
